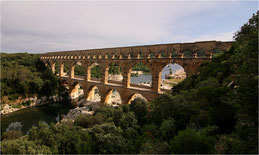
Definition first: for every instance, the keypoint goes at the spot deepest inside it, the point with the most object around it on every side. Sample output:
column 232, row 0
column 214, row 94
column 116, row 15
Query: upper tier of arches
column 185, row 50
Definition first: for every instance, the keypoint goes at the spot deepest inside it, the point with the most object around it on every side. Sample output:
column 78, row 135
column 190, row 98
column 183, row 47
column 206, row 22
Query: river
column 24, row 119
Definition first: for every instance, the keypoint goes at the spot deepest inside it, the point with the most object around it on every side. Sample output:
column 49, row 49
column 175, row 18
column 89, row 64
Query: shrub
column 191, row 142
column 12, row 134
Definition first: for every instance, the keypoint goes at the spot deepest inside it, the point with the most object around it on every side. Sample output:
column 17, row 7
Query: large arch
column 79, row 70
column 64, row 68
column 114, row 73
column 140, row 75
column 76, row 90
column 133, row 96
column 91, row 94
column 94, row 72
column 112, row 97
column 171, row 75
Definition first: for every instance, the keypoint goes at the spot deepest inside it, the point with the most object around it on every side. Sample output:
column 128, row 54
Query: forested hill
column 24, row 75
column 215, row 111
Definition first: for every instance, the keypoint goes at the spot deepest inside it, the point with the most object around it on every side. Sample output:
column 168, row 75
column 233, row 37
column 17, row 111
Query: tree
column 191, row 142
column 23, row 146
column 139, row 107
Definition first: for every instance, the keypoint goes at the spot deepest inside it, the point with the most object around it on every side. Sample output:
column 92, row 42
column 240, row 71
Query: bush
column 12, row 134
column 23, row 146
column 191, row 142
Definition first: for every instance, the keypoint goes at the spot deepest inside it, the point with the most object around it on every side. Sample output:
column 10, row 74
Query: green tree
column 191, row 142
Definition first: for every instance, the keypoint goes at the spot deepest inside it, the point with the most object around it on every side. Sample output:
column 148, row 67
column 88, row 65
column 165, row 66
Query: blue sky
column 45, row 26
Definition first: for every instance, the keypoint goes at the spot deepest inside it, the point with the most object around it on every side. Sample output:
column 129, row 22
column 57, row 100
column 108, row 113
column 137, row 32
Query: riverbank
column 28, row 102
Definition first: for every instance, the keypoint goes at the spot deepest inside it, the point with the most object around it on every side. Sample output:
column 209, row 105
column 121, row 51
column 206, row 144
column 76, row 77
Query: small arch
column 201, row 53
column 174, row 54
column 187, row 54
column 140, row 55
column 134, row 96
column 216, row 52
column 151, row 55
column 162, row 54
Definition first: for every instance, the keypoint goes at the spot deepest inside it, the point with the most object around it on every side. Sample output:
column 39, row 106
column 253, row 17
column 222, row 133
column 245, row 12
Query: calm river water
column 24, row 119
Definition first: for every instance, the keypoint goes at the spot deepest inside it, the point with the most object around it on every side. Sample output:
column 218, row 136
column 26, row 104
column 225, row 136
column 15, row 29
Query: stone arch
column 91, row 93
column 151, row 55
column 187, row 54
column 162, row 54
column 133, row 96
column 174, row 54
column 140, row 55
column 79, row 70
column 114, row 72
column 94, row 71
column 76, row 90
column 201, row 53
column 171, row 74
column 140, row 75
column 111, row 98
column 216, row 52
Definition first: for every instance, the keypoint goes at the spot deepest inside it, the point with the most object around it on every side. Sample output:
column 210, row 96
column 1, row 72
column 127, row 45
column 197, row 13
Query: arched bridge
column 189, row 55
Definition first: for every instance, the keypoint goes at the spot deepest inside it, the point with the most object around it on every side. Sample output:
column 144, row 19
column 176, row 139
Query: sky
column 49, row 26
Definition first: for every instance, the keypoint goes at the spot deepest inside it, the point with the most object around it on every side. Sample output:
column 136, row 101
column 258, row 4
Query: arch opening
column 171, row 75
column 216, row 52
column 140, row 76
column 64, row 69
column 114, row 73
column 201, row 54
column 95, row 72
column 113, row 98
column 79, row 71
column 77, row 91
column 187, row 54
column 93, row 94
column 57, row 69
column 134, row 96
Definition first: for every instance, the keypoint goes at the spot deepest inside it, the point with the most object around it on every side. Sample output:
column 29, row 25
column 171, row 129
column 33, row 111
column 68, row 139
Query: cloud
column 65, row 25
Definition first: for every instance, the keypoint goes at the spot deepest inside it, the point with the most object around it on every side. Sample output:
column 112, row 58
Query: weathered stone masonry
column 189, row 55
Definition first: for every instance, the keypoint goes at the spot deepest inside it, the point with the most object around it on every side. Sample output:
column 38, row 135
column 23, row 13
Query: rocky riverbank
column 28, row 102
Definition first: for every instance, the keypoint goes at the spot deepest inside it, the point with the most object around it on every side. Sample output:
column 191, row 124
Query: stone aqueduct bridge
column 189, row 55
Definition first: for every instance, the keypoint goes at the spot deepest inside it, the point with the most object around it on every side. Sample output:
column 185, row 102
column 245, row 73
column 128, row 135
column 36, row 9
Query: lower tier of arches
column 104, row 90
